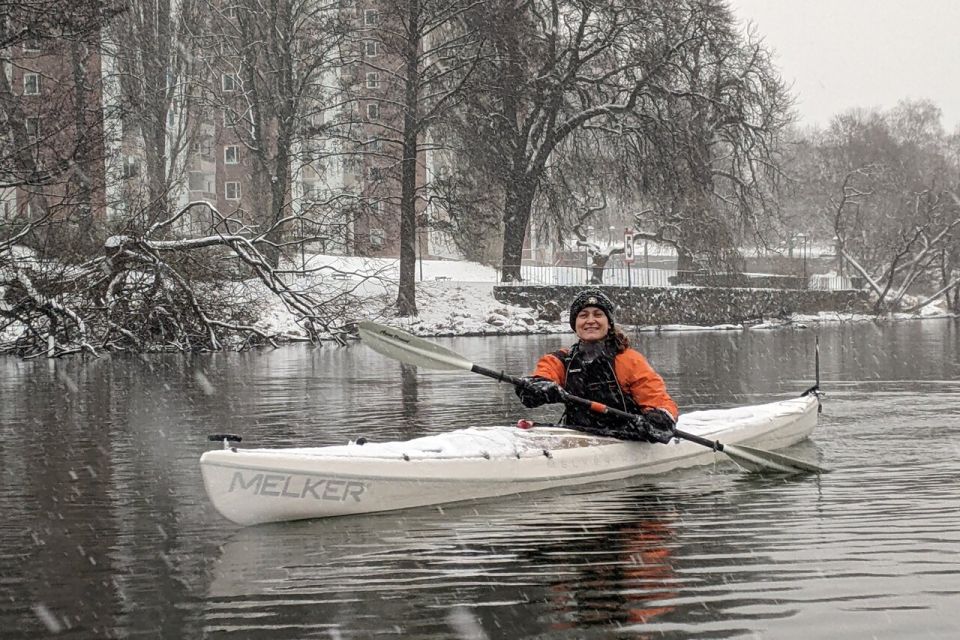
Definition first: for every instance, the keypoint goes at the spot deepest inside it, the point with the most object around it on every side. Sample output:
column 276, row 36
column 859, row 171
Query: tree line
column 541, row 115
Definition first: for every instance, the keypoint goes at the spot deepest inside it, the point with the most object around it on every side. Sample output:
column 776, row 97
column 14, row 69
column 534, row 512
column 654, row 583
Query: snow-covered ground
column 453, row 298
column 456, row 298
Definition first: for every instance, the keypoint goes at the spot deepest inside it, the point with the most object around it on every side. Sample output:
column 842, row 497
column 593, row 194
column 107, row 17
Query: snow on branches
column 160, row 291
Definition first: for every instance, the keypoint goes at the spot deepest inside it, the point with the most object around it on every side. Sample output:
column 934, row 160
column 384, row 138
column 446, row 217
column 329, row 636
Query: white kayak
column 252, row 486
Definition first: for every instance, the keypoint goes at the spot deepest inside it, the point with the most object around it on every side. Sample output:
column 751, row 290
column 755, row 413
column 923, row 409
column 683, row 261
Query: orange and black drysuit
column 625, row 381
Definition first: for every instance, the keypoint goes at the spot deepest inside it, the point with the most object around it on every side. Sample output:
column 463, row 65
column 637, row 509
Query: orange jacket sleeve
column 550, row 368
column 644, row 385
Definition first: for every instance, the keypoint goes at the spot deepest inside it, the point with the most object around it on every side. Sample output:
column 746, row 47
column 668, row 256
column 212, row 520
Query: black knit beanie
column 591, row 298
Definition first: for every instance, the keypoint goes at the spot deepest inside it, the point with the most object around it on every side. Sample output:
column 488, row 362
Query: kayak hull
column 253, row 486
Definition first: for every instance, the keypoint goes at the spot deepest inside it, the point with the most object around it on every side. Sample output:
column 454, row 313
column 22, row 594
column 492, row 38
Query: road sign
column 628, row 246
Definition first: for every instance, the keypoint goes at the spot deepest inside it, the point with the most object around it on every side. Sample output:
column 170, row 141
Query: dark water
column 106, row 531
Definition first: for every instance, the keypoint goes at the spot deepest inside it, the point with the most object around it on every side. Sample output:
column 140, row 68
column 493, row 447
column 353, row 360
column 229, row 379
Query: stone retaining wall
column 702, row 306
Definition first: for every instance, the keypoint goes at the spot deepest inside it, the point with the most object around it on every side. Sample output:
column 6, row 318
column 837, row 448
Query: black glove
column 537, row 391
column 657, row 425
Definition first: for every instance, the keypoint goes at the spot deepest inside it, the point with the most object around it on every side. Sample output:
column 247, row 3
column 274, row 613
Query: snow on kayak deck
column 503, row 441
column 713, row 421
column 473, row 442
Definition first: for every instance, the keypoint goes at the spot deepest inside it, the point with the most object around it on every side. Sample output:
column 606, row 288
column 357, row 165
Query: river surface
column 105, row 530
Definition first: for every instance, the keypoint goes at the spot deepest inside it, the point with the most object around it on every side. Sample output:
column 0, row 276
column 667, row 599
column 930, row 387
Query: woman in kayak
column 603, row 368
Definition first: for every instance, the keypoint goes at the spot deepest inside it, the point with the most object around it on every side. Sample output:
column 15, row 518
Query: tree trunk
column 157, row 106
column 516, row 217
column 407, row 298
column 279, row 185
column 596, row 269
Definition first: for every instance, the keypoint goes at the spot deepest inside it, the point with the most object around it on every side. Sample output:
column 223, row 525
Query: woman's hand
column 537, row 391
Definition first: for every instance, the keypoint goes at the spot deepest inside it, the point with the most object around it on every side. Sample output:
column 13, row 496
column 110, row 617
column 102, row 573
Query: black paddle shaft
column 593, row 406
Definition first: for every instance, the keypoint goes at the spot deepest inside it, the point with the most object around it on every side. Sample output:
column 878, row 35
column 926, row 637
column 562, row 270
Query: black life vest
column 597, row 381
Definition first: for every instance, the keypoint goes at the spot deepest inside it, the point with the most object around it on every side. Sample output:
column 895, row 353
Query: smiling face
column 592, row 324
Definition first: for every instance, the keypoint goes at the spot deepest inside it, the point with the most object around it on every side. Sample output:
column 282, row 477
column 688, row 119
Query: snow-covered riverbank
column 455, row 298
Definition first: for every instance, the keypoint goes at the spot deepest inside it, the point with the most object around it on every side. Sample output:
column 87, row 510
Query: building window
column 130, row 168
column 373, row 80
column 229, row 82
column 377, row 237
column 204, row 147
column 371, row 48
column 31, row 84
column 33, row 128
column 199, row 181
column 376, row 174
column 371, row 17
column 230, row 12
column 231, row 190
column 373, row 111
column 31, row 46
column 231, row 154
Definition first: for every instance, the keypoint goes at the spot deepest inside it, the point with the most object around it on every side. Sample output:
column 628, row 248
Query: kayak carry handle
column 220, row 437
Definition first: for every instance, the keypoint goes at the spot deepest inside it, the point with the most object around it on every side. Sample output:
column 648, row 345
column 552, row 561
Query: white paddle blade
column 758, row 460
column 404, row 347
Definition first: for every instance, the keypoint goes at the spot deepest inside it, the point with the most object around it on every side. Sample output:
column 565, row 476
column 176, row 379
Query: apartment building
column 343, row 186
column 53, row 131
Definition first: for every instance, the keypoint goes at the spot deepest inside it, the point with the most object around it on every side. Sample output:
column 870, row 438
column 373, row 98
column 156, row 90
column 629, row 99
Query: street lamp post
column 646, row 262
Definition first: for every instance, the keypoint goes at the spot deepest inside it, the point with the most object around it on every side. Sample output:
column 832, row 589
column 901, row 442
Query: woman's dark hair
column 618, row 340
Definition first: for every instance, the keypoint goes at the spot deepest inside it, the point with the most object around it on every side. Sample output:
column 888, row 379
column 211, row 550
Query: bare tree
column 708, row 159
column 155, row 73
column 598, row 256
column 147, row 292
column 51, row 125
column 30, row 21
column 430, row 52
column 272, row 80
column 558, row 67
column 46, row 137
column 892, row 203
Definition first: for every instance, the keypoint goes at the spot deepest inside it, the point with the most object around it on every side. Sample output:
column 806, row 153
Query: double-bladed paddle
column 410, row 349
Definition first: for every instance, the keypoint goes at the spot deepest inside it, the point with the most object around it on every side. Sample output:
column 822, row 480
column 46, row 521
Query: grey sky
column 841, row 54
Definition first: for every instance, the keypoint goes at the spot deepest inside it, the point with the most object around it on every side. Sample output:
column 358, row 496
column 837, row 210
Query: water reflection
column 706, row 551
column 408, row 392
column 631, row 583
column 568, row 560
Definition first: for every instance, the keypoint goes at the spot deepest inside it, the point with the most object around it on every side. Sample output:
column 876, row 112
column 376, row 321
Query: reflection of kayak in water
column 250, row 486
column 571, row 554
